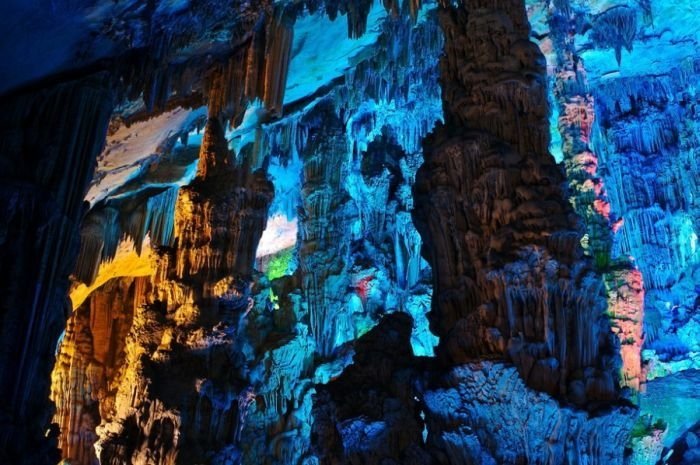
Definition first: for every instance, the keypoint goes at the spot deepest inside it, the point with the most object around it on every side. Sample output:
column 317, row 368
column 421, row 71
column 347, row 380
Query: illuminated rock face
column 190, row 342
column 174, row 374
column 576, row 109
column 89, row 365
column 483, row 413
column 346, row 184
column 640, row 84
column 511, row 279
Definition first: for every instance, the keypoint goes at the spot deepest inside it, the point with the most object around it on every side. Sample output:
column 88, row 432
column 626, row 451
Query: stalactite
column 219, row 246
column 230, row 86
column 646, row 131
column 129, row 219
column 86, row 375
column 323, row 255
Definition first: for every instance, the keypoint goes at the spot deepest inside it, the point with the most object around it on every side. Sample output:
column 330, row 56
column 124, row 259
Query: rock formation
column 185, row 335
column 643, row 178
column 685, row 450
column 576, row 107
column 52, row 139
column 332, row 232
column 89, row 365
column 511, row 279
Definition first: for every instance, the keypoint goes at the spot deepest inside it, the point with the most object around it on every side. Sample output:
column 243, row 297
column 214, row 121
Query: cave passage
column 350, row 232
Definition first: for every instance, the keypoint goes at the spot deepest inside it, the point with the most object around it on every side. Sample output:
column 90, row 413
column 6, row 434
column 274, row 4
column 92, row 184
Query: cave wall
column 52, row 138
column 253, row 306
column 636, row 61
column 341, row 168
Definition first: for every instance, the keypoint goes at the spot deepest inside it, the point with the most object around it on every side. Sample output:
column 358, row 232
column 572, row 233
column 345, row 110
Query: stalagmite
column 523, row 290
column 624, row 283
column 193, row 287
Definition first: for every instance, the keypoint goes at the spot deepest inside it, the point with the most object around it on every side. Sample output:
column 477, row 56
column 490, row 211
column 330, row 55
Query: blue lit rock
column 294, row 328
column 640, row 62
column 483, row 413
column 686, row 450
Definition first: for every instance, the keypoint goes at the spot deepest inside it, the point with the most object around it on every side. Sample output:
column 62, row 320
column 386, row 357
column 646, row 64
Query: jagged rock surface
column 177, row 403
column 370, row 414
column 483, row 414
column 89, row 363
column 642, row 138
column 510, row 276
column 576, row 122
column 265, row 374
column 274, row 354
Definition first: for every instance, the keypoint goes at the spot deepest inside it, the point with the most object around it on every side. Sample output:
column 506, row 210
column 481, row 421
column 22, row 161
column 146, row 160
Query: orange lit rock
column 86, row 375
column 625, row 302
column 127, row 262
column 182, row 338
column 624, row 284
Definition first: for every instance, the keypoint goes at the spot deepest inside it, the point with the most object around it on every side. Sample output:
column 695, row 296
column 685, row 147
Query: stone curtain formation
column 328, row 232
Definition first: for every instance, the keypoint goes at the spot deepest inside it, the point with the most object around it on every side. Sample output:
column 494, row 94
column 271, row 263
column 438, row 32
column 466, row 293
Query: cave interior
column 350, row 232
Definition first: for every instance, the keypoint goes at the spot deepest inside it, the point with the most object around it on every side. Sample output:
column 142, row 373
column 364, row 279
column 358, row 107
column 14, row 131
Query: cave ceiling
column 325, row 232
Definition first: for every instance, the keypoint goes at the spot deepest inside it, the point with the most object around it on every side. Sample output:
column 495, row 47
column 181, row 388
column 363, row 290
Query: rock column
column 511, row 280
column 185, row 372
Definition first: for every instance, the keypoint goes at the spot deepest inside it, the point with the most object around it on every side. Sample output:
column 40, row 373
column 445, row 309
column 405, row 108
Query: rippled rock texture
column 511, row 279
column 166, row 409
column 218, row 369
column 48, row 154
column 642, row 170
column 247, row 283
column 483, row 413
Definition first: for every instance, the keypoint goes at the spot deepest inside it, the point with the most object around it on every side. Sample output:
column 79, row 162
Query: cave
column 350, row 232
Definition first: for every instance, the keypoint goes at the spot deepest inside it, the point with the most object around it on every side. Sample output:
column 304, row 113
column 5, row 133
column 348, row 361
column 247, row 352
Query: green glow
column 281, row 264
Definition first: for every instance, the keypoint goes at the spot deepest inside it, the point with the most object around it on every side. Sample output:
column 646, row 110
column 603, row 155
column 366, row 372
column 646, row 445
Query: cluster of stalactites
column 106, row 228
column 394, row 7
column 214, row 154
column 88, row 366
column 589, row 198
column 257, row 71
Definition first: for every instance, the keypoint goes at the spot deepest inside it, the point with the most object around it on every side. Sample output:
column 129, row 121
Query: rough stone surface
column 511, row 279
column 52, row 138
column 483, row 413
column 193, row 340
